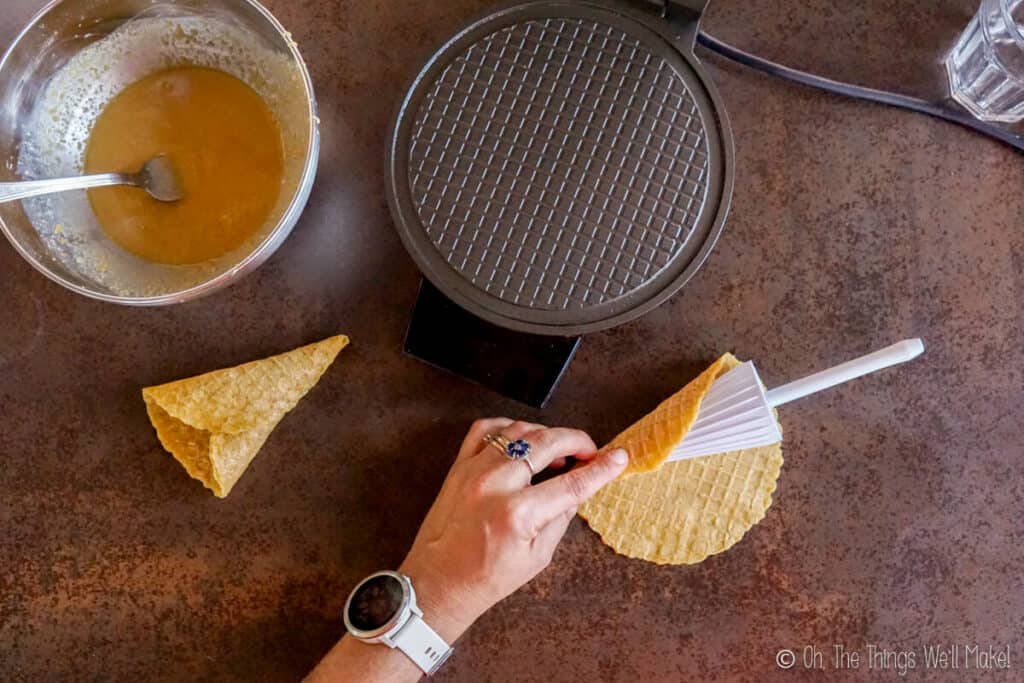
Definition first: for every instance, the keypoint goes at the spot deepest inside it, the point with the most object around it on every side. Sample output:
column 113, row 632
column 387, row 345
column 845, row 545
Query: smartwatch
column 382, row 609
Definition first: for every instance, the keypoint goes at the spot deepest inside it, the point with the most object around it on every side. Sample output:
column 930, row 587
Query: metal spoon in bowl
column 157, row 177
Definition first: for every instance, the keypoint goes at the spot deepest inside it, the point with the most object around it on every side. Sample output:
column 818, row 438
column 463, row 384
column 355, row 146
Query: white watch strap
column 419, row 642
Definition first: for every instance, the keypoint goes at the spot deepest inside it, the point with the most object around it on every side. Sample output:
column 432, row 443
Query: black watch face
column 375, row 603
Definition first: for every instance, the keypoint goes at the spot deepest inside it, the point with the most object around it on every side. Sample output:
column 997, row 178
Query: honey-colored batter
column 225, row 145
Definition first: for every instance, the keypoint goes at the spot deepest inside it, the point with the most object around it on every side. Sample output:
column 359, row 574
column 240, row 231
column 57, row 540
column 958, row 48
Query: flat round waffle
column 687, row 510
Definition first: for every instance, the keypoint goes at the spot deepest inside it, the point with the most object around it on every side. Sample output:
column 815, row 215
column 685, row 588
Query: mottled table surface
column 898, row 516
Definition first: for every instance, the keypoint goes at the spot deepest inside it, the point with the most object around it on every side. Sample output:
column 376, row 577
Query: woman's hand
column 489, row 531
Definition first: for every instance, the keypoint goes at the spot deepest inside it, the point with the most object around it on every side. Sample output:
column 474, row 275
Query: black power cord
column 881, row 96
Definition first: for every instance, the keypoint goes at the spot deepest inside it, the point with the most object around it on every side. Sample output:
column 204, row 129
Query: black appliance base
column 524, row 367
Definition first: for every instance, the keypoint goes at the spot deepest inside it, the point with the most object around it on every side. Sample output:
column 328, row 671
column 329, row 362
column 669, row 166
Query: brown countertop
column 898, row 516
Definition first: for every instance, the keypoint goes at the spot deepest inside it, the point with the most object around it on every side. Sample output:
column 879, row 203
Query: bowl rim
column 263, row 250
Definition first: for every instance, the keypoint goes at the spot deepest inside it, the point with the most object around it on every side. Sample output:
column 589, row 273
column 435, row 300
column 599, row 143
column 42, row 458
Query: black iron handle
column 681, row 9
column 693, row 7
column 683, row 15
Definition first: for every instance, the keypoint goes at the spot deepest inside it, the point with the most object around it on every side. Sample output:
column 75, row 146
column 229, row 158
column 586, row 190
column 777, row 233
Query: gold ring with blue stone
column 518, row 449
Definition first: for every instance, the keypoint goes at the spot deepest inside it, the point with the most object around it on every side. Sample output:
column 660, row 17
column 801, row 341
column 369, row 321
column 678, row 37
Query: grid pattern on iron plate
column 558, row 164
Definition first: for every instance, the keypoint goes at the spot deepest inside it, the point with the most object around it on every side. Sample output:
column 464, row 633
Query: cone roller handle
column 898, row 353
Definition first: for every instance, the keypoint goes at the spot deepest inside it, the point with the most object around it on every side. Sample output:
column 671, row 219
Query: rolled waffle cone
column 214, row 424
column 688, row 509
column 650, row 441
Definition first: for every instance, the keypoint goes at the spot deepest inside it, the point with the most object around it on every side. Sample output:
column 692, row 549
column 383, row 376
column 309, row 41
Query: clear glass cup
column 986, row 66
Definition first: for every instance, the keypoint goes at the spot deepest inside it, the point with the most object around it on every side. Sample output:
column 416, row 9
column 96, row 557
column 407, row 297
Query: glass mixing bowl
column 71, row 60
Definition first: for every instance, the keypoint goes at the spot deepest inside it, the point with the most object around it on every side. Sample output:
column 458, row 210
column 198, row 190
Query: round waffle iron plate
column 561, row 167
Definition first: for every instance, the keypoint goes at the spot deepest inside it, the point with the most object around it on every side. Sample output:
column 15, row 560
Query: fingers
column 519, row 429
column 466, row 469
column 477, row 431
column 559, row 494
column 587, row 456
column 548, row 445
column 511, row 431
column 489, row 462
column 559, row 463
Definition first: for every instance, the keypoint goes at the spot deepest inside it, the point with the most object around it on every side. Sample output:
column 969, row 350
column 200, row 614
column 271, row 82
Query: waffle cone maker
column 555, row 169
